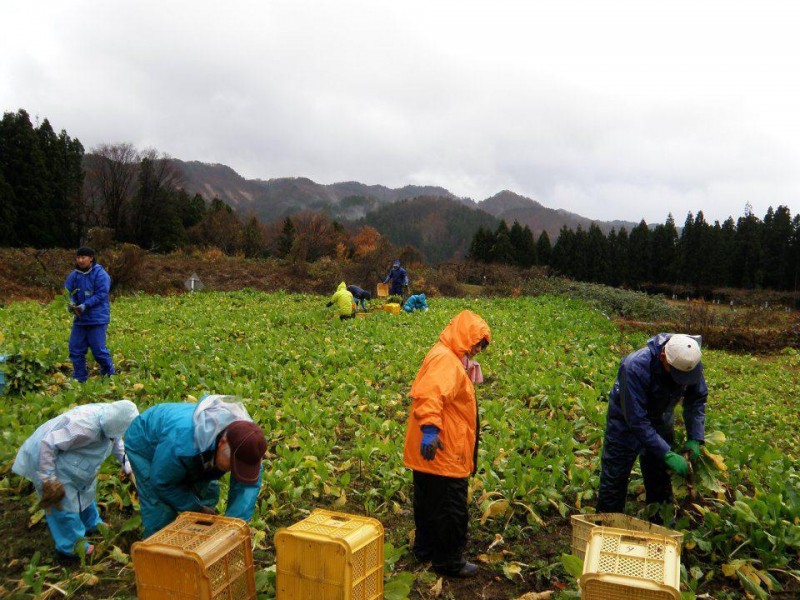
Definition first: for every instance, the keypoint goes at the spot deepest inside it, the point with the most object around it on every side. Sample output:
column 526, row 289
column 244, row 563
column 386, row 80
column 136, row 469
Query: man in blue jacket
column 399, row 278
column 641, row 422
column 179, row 451
column 416, row 302
column 88, row 286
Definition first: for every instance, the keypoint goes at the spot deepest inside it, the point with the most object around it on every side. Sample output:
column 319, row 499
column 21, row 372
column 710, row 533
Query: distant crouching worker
column 179, row 451
column 441, row 445
column 416, row 302
column 343, row 300
column 641, row 420
column 63, row 457
column 88, row 286
column 360, row 296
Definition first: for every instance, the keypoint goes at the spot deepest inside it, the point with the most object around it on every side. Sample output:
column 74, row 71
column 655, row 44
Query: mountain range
column 426, row 211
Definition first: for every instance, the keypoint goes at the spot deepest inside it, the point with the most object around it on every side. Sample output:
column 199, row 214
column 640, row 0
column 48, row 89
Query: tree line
column 54, row 194
column 747, row 253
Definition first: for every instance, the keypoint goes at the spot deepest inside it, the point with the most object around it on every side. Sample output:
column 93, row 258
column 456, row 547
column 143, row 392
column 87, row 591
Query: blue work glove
column 677, row 463
column 430, row 442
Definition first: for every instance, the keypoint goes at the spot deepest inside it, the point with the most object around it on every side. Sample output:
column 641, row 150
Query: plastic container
column 582, row 525
column 196, row 557
column 392, row 307
column 383, row 290
column 628, row 565
column 330, row 555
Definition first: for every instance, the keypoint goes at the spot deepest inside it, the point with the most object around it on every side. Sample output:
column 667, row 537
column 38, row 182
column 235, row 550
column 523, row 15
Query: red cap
column 248, row 446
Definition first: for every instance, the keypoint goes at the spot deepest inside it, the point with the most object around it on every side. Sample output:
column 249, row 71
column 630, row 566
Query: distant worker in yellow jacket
column 442, row 444
column 343, row 301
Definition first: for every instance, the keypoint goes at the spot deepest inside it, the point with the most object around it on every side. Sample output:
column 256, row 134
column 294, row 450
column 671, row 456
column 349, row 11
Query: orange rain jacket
column 443, row 395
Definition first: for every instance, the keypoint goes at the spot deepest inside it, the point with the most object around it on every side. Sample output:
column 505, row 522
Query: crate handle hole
column 204, row 522
column 342, row 519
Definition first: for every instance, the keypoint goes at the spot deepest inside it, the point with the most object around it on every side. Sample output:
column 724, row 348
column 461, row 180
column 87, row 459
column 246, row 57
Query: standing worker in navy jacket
column 398, row 277
column 88, row 287
column 641, row 421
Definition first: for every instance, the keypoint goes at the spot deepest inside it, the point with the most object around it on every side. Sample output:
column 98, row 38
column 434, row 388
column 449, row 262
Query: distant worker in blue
column 63, row 457
column 360, row 296
column 398, row 277
column 88, row 286
column 179, row 451
column 641, row 421
column 416, row 302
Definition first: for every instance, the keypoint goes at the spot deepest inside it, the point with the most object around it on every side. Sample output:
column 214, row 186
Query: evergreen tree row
column 40, row 183
column 514, row 246
column 747, row 253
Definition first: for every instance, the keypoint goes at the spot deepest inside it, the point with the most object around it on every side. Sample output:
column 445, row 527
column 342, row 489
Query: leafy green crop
column 332, row 398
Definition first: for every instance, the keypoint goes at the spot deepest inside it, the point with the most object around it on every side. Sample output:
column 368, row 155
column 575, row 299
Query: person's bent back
column 179, row 451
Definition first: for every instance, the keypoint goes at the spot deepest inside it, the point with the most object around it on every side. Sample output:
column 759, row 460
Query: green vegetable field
column 332, row 398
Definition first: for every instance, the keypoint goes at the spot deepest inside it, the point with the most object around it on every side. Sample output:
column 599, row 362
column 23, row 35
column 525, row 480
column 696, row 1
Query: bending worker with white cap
column 62, row 459
column 179, row 451
column 641, row 421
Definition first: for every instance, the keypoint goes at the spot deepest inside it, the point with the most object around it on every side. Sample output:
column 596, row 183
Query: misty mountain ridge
column 278, row 198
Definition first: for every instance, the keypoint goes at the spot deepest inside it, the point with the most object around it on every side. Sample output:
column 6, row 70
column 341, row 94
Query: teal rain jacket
column 171, row 448
column 416, row 302
column 72, row 447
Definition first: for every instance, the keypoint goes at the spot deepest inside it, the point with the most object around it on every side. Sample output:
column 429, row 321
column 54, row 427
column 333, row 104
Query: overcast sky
column 613, row 110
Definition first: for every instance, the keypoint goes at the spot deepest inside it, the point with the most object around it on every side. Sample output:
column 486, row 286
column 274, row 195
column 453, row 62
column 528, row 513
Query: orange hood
column 464, row 331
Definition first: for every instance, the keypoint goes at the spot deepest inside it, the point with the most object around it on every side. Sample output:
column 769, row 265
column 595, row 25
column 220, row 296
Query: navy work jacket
column 643, row 400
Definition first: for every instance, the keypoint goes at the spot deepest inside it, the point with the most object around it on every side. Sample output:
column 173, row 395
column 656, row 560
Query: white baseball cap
column 683, row 356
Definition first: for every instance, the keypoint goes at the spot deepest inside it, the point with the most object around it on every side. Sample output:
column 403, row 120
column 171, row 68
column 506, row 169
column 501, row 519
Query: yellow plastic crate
column 329, row 556
column 197, row 557
column 392, row 307
column 383, row 290
column 627, row 565
column 582, row 525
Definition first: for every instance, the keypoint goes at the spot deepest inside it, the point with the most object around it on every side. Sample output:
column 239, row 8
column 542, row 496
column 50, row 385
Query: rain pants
column 416, row 302
column 398, row 276
column 641, row 422
column 171, row 448
column 443, row 395
column 71, row 448
column 90, row 289
column 343, row 300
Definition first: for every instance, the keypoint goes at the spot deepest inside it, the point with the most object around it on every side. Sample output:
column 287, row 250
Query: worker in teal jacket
column 416, row 302
column 343, row 300
column 179, row 451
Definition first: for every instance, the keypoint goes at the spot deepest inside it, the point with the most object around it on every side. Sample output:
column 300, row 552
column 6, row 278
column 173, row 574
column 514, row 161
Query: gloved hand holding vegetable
column 677, row 463
column 52, row 494
column 692, row 447
column 430, row 442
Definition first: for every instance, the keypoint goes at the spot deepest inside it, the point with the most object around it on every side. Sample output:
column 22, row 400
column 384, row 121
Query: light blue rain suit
column 416, row 302
column 71, row 448
column 171, row 448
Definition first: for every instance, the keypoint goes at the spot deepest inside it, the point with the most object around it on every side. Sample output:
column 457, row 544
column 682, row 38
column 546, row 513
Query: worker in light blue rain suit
column 416, row 302
column 62, row 459
column 641, row 422
column 179, row 451
column 88, row 286
column 398, row 277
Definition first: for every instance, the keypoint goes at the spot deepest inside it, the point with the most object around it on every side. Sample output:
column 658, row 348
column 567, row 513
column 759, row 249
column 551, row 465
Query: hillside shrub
column 611, row 301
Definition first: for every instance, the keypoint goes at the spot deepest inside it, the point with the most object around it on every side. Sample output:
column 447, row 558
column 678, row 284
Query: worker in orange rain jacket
column 442, row 444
